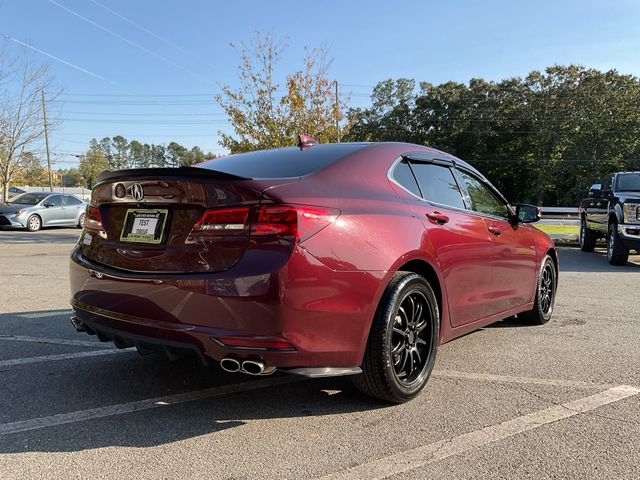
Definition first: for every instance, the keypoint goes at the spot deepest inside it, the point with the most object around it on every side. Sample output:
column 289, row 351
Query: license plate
column 144, row 225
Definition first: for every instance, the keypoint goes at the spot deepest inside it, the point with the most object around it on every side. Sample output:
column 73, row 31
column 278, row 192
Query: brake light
column 232, row 220
column 92, row 218
column 297, row 222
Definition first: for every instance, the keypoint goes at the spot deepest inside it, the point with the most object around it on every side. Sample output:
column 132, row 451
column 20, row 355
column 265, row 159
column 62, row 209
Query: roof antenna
column 306, row 141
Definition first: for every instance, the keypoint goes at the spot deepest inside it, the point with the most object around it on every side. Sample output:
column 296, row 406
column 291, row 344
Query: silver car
column 42, row 209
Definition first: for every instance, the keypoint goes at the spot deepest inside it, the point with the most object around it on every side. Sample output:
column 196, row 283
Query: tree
column 541, row 139
column 21, row 121
column 92, row 164
column 263, row 119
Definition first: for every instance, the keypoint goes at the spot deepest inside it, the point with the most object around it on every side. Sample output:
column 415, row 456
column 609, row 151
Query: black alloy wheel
column 403, row 340
column 545, row 294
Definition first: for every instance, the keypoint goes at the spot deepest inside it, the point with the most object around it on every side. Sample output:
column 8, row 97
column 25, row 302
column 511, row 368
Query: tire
column 587, row 237
column 34, row 223
column 403, row 341
column 545, row 295
column 617, row 254
column 81, row 221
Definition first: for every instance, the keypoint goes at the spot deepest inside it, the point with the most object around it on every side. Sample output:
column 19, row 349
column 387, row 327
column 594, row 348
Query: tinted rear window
column 282, row 162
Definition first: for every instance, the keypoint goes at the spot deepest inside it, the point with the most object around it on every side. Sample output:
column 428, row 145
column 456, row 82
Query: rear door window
column 71, row 200
column 438, row 184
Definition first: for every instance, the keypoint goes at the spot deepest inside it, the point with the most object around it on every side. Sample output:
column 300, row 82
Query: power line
column 57, row 59
column 130, row 42
column 149, row 32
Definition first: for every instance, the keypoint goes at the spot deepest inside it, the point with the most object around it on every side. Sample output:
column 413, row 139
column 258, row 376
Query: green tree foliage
column 262, row 117
column 118, row 153
column 543, row 138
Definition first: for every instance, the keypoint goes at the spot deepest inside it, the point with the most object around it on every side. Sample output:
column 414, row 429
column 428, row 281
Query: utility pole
column 337, row 109
column 46, row 140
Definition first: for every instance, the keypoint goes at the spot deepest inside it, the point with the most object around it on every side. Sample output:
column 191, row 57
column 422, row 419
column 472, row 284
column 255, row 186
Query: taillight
column 224, row 220
column 294, row 222
column 92, row 218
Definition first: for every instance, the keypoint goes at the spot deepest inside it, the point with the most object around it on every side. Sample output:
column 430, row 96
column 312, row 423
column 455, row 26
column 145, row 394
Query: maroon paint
column 320, row 294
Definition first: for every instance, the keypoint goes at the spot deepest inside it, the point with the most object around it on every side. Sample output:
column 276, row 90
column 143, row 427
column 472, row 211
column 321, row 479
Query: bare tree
column 21, row 121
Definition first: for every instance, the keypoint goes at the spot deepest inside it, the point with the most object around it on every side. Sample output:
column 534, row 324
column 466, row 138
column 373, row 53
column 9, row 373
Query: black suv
column 612, row 211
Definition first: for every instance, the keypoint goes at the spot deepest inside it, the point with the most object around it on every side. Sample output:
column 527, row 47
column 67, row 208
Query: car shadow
column 575, row 260
column 55, row 235
column 115, row 381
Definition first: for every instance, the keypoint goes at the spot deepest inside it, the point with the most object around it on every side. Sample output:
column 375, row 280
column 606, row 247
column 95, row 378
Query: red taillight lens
column 255, row 343
column 92, row 218
column 224, row 220
column 296, row 221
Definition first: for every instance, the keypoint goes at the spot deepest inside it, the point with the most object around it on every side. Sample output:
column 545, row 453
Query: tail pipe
column 250, row 367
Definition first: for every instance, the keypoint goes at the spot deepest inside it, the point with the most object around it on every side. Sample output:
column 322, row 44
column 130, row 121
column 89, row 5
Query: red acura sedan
column 318, row 260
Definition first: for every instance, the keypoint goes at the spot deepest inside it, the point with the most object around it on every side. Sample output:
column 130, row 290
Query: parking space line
column 57, row 313
column 122, row 408
column 487, row 377
column 419, row 457
column 63, row 356
column 55, row 341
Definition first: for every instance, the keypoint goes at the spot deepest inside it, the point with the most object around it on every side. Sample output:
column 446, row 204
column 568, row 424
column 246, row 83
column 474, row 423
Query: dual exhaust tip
column 250, row 367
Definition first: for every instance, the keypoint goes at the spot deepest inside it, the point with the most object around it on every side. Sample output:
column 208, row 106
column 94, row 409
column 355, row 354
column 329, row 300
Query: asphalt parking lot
column 509, row 401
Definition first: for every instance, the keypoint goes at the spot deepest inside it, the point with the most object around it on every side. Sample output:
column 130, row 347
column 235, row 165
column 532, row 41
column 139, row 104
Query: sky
column 148, row 69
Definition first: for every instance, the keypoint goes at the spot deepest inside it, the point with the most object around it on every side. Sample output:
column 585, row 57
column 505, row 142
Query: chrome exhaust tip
column 256, row 367
column 77, row 324
column 230, row 365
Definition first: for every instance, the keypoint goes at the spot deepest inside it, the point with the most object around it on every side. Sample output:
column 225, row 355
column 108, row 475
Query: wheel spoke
column 400, row 332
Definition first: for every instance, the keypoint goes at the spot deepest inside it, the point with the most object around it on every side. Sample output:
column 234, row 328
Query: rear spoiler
column 151, row 173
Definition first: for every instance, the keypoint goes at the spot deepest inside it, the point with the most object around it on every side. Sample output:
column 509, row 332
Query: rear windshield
column 629, row 181
column 282, row 162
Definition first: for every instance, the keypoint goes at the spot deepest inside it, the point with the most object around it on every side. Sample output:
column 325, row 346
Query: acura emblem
column 137, row 192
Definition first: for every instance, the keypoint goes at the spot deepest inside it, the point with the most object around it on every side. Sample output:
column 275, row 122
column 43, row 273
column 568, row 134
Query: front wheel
column 403, row 340
column 545, row 294
column 617, row 254
column 80, row 223
column 34, row 223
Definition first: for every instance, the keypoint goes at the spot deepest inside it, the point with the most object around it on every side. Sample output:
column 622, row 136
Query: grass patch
column 559, row 229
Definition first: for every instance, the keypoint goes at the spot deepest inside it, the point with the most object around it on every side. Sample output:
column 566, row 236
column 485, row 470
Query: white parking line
column 55, row 341
column 487, row 377
column 58, row 313
column 93, row 413
column 419, row 457
column 63, row 356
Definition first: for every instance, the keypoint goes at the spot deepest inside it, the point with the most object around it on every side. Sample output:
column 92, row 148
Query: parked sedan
column 42, row 209
column 318, row 260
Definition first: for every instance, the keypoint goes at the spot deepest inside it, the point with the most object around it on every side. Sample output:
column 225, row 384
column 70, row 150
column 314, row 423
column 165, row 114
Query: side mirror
column 595, row 190
column 527, row 213
column 49, row 204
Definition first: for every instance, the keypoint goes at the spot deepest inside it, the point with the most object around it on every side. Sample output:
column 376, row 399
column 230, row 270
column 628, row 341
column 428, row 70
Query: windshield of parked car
column 29, row 198
column 629, row 182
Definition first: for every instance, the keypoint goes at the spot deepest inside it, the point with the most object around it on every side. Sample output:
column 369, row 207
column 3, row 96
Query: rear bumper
column 324, row 314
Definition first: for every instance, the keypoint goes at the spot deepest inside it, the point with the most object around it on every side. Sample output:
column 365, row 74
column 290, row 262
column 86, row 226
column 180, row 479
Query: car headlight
column 631, row 212
column 18, row 213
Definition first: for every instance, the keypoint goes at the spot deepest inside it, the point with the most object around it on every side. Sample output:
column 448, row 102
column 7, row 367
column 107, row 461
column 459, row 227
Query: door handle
column 437, row 217
column 495, row 230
